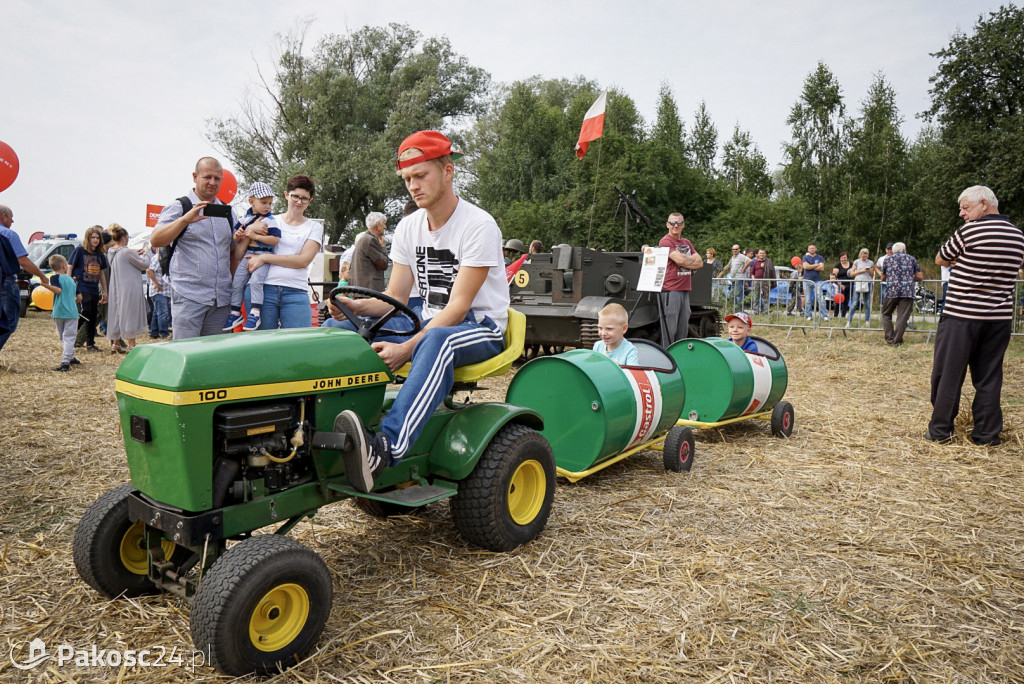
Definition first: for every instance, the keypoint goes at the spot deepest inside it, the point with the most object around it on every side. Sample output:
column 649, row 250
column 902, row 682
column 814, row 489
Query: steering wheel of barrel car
column 368, row 328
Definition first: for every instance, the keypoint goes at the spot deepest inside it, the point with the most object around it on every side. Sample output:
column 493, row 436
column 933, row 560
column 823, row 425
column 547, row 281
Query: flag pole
column 597, row 172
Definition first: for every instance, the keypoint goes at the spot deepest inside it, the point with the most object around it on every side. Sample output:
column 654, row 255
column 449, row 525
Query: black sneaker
column 63, row 368
column 92, row 348
column 75, row 362
column 938, row 440
column 369, row 454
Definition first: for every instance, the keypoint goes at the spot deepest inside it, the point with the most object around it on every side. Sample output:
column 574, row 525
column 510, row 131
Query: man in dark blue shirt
column 814, row 264
column 13, row 257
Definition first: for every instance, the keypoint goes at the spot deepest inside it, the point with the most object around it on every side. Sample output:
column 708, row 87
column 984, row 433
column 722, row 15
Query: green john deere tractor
column 229, row 435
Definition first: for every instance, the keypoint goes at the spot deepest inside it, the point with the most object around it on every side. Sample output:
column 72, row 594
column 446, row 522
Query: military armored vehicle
column 561, row 293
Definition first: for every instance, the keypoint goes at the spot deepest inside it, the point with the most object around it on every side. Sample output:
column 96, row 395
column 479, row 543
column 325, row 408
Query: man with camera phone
column 198, row 231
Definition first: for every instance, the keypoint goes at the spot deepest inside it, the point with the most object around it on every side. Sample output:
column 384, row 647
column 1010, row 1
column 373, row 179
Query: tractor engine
column 260, row 447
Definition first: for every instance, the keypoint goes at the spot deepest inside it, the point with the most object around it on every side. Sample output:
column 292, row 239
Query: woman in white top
column 285, row 293
column 861, row 272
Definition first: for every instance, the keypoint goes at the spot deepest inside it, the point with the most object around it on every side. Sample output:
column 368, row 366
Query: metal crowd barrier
column 780, row 303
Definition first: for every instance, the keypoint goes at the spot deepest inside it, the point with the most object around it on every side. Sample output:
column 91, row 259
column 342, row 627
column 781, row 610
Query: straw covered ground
column 853, row 552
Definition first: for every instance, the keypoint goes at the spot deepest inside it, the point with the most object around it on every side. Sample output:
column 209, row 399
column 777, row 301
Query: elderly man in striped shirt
column 985, row 254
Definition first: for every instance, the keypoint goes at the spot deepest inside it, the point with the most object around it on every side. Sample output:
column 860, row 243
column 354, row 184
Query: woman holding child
column 126, row 309
column 285, row 292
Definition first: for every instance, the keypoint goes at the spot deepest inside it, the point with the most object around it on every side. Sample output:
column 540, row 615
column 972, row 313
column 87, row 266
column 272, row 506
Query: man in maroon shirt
column 762, row 272
column 675, row 291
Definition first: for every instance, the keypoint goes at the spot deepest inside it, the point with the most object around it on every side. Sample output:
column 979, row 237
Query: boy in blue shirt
column 612, row 323
column 739, row 328
column 65, row 309
column 261, row 200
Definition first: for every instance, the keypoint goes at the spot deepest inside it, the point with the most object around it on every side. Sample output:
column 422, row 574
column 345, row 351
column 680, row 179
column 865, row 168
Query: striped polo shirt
column 988, row 253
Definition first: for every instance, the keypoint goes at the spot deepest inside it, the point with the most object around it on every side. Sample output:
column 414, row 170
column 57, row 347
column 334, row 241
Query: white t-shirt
column 469, row 238
column 292, row 240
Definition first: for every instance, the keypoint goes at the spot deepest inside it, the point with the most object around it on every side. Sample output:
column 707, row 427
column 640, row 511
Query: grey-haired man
column 369, row 260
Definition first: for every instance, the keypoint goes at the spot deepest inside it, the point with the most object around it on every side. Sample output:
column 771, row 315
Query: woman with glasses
column 285, row 292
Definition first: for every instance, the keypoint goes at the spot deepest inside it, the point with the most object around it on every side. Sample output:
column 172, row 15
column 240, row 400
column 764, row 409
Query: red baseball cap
column 740, row 316
column 433, row 145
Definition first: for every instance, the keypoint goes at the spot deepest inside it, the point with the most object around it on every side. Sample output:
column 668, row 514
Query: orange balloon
column 42, row 298
column 9, row 166
column 796, row 261
column 228, row 187
column 839, row 298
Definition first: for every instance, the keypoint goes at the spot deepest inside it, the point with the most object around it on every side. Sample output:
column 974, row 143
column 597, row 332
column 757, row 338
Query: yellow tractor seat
column 515, row 337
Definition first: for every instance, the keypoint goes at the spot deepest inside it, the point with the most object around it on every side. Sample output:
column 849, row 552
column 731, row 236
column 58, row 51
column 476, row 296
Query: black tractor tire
column 261, row 606
column 782, row 419
column 383, row 509
column 679, row 448
column 709, row 325
column 109, row 549
column 506, row 500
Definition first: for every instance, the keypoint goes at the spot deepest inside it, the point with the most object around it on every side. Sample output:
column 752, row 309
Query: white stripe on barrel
column 762, row 383
column 647, row 392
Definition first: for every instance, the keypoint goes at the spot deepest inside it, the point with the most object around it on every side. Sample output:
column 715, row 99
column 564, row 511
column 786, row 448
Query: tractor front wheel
column 261, row 606
column 110, row 550
column 506, row 500
column 678, row 450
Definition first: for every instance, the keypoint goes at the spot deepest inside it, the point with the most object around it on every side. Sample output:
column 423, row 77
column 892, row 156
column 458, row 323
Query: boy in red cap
column 447, row 252
column 739, row 328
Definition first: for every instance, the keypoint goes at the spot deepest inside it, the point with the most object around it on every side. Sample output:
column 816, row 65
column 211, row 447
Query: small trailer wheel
column 679, row 449
column 262, row 606
column 782, row 419
column 110, row 551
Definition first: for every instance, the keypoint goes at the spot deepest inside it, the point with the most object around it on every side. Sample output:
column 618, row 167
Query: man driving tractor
column 449, row 253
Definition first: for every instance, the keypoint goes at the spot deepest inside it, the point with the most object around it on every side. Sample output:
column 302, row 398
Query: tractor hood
column 250, row 365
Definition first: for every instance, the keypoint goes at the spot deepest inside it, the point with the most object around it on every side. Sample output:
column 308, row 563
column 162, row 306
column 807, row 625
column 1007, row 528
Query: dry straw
column 854, row 551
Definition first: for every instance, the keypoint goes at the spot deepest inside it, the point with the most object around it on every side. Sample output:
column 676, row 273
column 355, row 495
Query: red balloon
column 839, row 298
column 9, row 166
column 228, row 187
column 796, row 261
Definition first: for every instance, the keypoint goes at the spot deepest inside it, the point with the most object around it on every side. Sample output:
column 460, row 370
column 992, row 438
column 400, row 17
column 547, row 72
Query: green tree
column 339, row 114
column 704, row 141
column 668, row 130
column 978, row 103
column 813, row 157
column 876, row 168
column 744, row 168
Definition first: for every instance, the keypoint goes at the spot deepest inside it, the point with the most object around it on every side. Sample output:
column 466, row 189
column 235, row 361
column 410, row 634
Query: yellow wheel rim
column 279, row 617
column 526, row 492
column 133, row 549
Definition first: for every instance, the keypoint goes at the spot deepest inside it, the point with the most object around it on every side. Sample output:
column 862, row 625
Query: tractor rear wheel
column 110, row 550
column 261, row 606
column 678, row 450
column 506, row 500
column 782, row 419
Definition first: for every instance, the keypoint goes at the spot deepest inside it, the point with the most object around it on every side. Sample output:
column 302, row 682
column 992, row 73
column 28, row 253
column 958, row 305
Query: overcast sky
column 107, row 103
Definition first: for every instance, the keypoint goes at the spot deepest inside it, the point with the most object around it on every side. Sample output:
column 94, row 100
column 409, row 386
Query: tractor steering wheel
column 368, row 328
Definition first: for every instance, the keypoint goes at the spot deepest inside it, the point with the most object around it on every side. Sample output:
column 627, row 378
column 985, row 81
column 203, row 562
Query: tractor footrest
column 335, row 441
column 417, row 495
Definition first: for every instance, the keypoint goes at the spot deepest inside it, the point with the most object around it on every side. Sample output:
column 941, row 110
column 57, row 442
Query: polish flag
column 593, row 125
